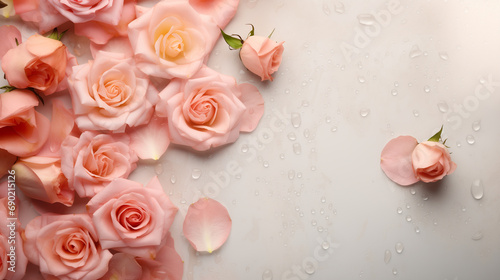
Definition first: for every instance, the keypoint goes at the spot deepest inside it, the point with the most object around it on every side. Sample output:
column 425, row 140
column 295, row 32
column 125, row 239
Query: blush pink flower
column 23, row 131
column 65, row 247
column 131, row 218
column 262, row 56
column 172, row 40
column 110, row 93
column 92, row 161
column 209, row 110
column 431, row 161
column 15, row 259
column 7, row 161
column 39, row 63
column 221, row 11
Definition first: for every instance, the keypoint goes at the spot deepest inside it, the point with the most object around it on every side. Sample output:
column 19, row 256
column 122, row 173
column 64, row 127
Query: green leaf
column 252, row 32
column 56, row 35
column 233, row 42
column 2, row 5
column 271, row 33
column 8, row 88
column 436, row 137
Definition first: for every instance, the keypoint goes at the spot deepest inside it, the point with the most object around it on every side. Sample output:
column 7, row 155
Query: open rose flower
column 221, row 11
column 94, row 160
column 405, row 161
column 209, row 110
column 23, row 131
column 66, row 247
column 131, row 218
column 14, row 259
column 172, row 40
column 110, row 93
column 39, row 63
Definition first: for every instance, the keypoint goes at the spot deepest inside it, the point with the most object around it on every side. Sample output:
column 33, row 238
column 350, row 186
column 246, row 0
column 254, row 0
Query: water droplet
column 323, row 199
column 287, row 91
column 320, row 229
column 415, row 51
column 183, row 201
column 291, row 174
column 309, row 268
column 256, row 193
column 470, row 139
column 313, row 211
column 305, row 103
column 443, row 55
column 416, row 113
column 387, row 256
column 399, row 247
column 476, row 126
column 244, row 148
column 361, row 79
column 307, row 133
column 396, row 84
column 477, row 236
column 326, row 9
column 339, row 7
column 407, row 206
column 364, row 112
column 477, row 189
column 265, row 164
column 173, row 179
column 394, row 92
column 325, row 245
column 292, row 136
column 299, row 174
column 408, row 218
column 366, row 19
column 427, row 89
column 196, row 173
column 394, row 271
column 159, row 169
column 412, row 191
column 314, row 223
column 322, row 211
column 399, row 210
column 443, row 107
column 417, row 230
column 267, row 275
column 297, row 149
column 333, row 129
column 296, row 120
column 328, row 119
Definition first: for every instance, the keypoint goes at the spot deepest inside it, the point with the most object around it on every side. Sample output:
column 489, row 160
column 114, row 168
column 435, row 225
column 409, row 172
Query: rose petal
column 61, row 125
column 152, row 140
column 9, row 35
column 207, row 225
column 253, row 101
column 171, row 260
column 396, row 161
column 124, row 267
column 6, row 163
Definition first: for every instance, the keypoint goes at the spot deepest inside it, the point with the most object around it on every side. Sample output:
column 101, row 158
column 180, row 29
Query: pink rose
column 221, row 11
column 15, row 260
column 38, row 63
column 41, row 178
column 66, row 247
column 94, row 160
column 209, row 110
column 23, row 131
column 7, row 161
column 431, row 161
column 262, row 56
column 172, row 40
column 131, row 218
column 110, row 93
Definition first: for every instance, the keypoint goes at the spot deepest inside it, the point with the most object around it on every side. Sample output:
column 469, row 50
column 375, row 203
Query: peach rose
column 23, row 131
column 39, row 63
column 9, row 236
column 131, row 218
column 41, row 178
column 110, row 93
column 172, row 40
column 431, row 161
column 209, row 110
column 65, row 247
column 94, row 160
column 221, row 11
column 262, row 56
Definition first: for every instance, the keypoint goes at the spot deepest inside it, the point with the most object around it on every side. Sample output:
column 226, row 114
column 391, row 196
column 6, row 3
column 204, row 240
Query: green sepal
column 17, row 41
column 252, row 32
column 271, row 33
column 437, row 137
column 56, row 35
column 2, row 5
column 8, row 88
column 233, row 42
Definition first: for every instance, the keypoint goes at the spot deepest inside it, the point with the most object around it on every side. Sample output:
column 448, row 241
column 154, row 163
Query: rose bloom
column 131, row 218
column 431, row 161
column 41, row 178
column 66, row 247
column 221, row 11
column 23, row 131
column 110, row 93
column 20, row 261
column 38, row 63
column 262, row 56
column 209, row 110
column 172, row 40
column 94, row 160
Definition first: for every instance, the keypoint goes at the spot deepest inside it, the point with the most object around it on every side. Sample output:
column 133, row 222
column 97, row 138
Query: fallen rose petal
column 207, row 225
column 396, row 161
column 9, row 35
column 124, row 267
column 253, row 101
column 167, row 265
column 150, row 141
